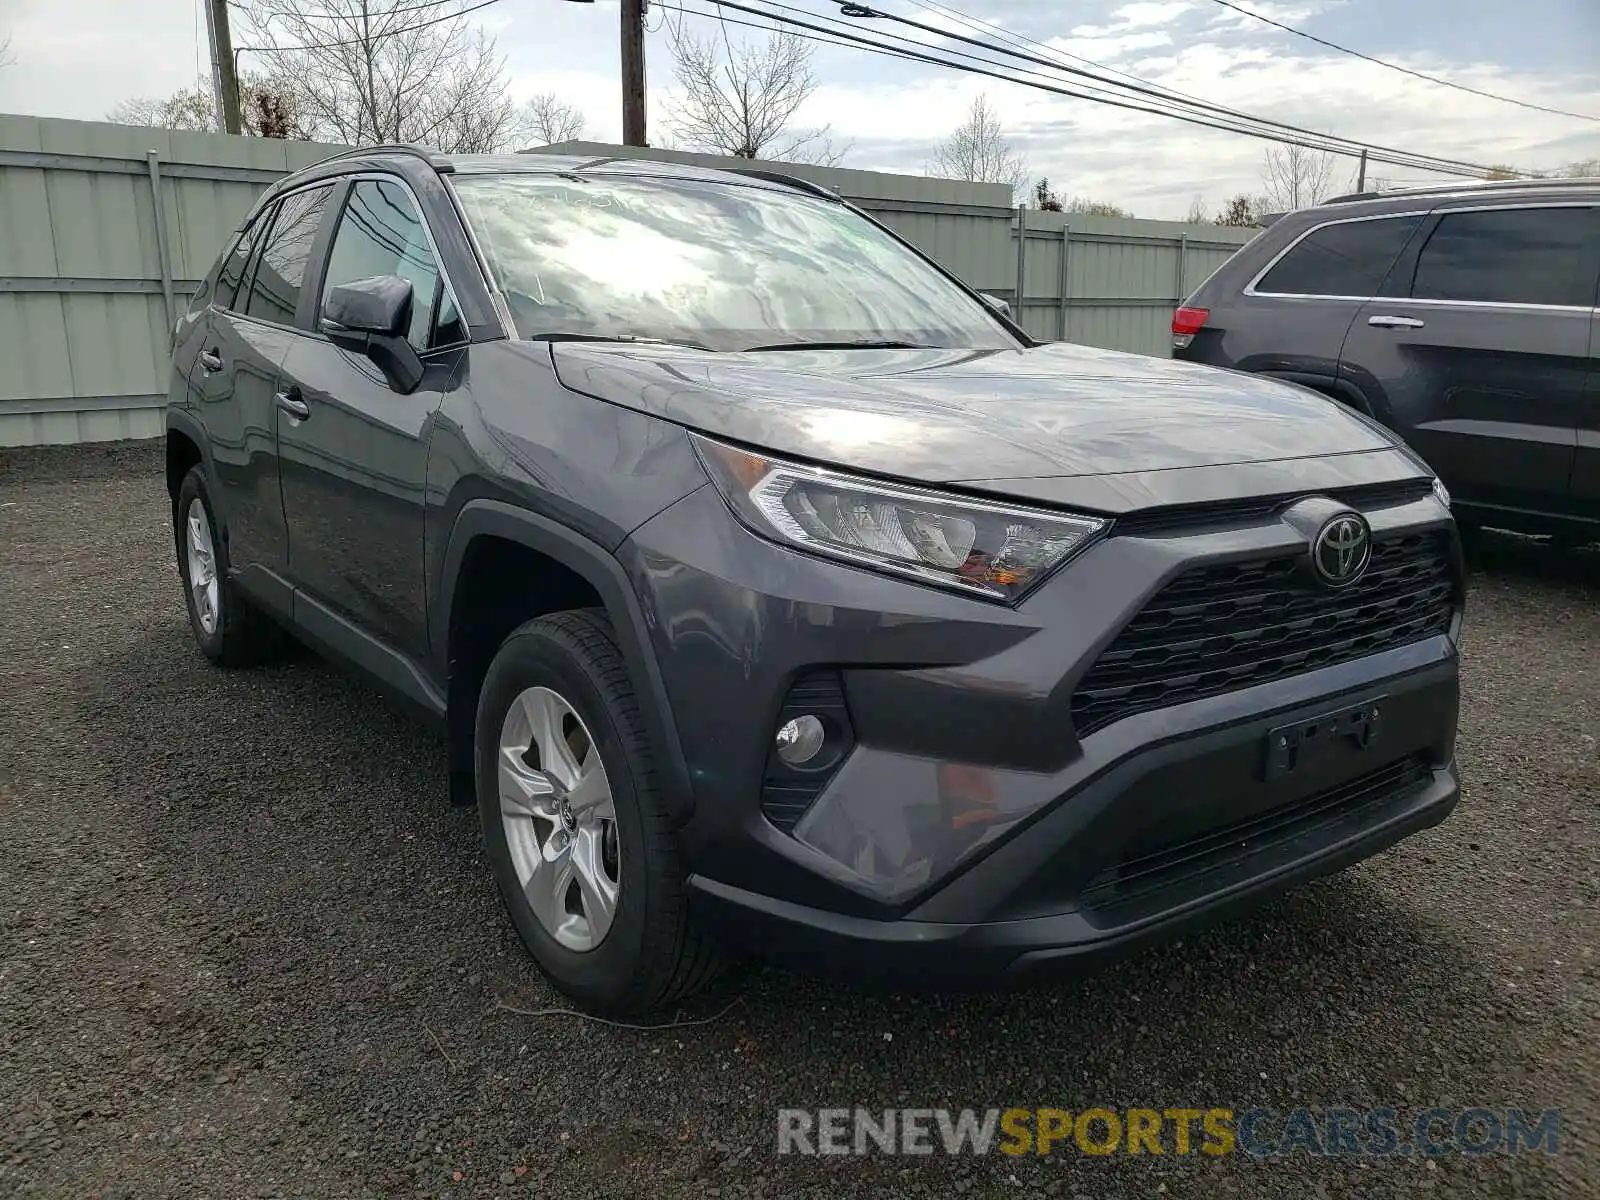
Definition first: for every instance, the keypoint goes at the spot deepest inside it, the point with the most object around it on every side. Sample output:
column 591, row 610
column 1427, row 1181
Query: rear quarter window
column 1350, row 258
column 234, row 264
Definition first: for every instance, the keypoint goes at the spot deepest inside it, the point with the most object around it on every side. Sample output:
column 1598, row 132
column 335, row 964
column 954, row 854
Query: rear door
column 232, row 384
column 355, row 465
column 1477, row 349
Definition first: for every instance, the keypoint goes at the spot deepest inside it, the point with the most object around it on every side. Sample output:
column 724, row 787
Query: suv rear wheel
column 574, row 825
column 229, row 630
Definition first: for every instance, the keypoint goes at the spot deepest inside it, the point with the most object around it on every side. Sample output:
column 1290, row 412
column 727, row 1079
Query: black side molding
column 384, row 665
column 494, row 518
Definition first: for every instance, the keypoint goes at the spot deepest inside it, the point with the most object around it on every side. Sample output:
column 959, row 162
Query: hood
column 1057, row 423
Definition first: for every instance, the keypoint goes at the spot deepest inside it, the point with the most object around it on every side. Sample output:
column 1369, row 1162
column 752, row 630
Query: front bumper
column 1096, row 876
column 969, row 832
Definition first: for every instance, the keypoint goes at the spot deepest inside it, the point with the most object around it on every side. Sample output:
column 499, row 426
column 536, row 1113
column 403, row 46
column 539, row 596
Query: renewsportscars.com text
column 1257, row 1132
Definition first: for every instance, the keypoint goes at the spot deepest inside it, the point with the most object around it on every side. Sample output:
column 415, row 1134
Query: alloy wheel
column 559, row 819
column 202, row 567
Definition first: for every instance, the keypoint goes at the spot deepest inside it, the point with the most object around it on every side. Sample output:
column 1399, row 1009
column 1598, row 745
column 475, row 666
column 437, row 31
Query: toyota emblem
column 1342, row 549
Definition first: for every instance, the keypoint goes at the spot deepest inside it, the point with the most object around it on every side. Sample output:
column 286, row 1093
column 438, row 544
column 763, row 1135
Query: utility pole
column 224, row 81
column 633, row 125
column 1361, row 179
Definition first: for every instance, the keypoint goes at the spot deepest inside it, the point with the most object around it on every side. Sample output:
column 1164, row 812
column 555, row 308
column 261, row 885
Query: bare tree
column 1197, row 214
column 6, row 57
column 1587, row 168
column 387, row 71
column 187, row 108
column 1095, row 208
column 741, row 99
column 267, row 107
column 1241, row 211
column 979, row 150
column 1294, row 177
column 548, row 119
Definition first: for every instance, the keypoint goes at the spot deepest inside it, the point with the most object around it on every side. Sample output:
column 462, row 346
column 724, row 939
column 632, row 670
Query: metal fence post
column 1183, row 263
column 1022, row 260
column 1064, row 285
column 154, row 161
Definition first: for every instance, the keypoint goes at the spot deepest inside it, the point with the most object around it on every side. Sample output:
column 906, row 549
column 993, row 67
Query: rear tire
column 228, row 628
column 609, row 926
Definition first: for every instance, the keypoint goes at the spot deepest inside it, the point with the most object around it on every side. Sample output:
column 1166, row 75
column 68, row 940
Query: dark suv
column 1464, row 318
column 774, row 592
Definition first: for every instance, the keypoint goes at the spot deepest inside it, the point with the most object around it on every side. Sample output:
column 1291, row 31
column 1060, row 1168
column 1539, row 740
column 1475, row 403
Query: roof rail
column 794, row 181
column 1467, row 185
column 433, row 158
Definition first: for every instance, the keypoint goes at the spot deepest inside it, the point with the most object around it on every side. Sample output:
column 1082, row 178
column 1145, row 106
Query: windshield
column 720, row 265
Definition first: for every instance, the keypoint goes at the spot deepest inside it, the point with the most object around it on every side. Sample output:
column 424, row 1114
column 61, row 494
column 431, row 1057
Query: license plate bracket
column 1304, row 744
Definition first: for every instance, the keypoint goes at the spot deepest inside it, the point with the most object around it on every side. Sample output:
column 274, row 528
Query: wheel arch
column 482, row 521
column 186, row 448
column 1334, row 387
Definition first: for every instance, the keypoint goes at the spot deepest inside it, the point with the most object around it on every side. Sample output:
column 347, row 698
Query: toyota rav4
column 775, row 592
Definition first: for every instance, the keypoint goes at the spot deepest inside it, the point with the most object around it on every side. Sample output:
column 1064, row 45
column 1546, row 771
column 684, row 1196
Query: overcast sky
column 77, row 58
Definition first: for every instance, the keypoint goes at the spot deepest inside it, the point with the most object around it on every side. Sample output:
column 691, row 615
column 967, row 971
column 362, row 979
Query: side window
column 1348, row 259
column 381, row 233
column 233, row 267
column 1512, row 256
column 275, row 288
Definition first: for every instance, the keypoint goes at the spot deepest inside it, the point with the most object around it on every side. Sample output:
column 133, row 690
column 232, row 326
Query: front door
column 1479, row 351
column 354, row 466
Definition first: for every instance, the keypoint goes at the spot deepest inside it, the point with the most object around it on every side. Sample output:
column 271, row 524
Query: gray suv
column 1463, row 317
column 774, row 593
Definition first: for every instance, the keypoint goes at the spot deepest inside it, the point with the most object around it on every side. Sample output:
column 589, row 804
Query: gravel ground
column 247, row 949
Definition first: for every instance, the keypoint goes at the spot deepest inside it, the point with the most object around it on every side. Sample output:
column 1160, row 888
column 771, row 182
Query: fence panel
column 91, row 269
column 86, row 268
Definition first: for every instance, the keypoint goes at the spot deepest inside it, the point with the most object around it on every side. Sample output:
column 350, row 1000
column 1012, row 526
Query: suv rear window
column 281, row 269
column 1347, row 259
column 1512, row 256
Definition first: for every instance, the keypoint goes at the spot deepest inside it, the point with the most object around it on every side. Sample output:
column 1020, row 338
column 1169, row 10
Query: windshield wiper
column 628, row 338
column 862, row 344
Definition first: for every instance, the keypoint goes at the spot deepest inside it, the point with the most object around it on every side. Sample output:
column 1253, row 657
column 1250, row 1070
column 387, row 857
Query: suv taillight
column 1187, row 322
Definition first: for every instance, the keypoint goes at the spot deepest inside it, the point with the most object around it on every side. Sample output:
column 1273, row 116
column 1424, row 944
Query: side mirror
column 371, row 317
column 1000, row 306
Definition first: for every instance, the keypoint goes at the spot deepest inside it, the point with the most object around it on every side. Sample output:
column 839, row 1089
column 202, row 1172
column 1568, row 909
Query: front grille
column 1170, row 875
column 1220, row 628
column 1237, row 512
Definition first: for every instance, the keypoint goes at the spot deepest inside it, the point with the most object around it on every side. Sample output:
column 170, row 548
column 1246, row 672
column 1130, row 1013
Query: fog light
column 800, row 740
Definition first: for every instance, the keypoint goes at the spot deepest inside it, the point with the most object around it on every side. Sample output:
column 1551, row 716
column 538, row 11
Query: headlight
column 1442, row 492
column 992, row 550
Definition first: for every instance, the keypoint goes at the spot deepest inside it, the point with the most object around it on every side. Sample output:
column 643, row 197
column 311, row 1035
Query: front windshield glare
column 726, row 266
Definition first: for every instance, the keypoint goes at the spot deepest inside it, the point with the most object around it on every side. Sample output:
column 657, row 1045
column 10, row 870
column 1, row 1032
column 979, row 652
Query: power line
column 367, row 40
column 1018, row 39
column 1460, row 87
column 1240, row 124
column 1141, row 88
column 388, row 12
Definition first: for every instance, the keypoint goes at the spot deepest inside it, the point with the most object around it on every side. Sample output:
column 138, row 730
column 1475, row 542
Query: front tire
column 229, row 630
column 574, row 824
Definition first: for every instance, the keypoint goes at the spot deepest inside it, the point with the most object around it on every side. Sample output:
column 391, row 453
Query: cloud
column 895, row 112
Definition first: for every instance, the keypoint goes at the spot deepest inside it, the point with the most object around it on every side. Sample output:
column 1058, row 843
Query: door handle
column 211, row 361
column 1396, row 322
column 292, row 404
